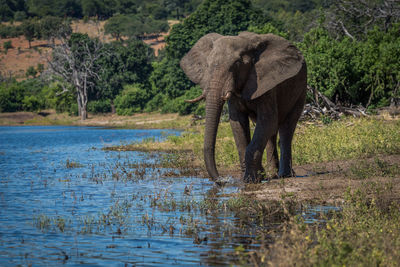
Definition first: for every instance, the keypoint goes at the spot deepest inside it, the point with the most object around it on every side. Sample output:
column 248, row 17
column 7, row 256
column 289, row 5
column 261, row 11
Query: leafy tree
column 169, row 79
column 8, row 8
column 29, row 30
column 223, row 17
column 41, row 8
column 51, row 27
column 134, row 26
column 103, row 9
column 116, row 26
column 122, row 64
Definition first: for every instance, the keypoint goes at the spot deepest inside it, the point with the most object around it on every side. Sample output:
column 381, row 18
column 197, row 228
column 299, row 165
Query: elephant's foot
column 288, row 174
column 254, row 176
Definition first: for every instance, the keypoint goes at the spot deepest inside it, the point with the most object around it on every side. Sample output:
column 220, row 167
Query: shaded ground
column 325, row 183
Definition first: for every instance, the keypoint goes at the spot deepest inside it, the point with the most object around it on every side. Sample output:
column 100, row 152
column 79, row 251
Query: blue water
column 64, row 200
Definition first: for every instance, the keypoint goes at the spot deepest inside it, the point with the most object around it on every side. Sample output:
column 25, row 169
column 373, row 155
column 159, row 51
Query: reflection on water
column 64, row 200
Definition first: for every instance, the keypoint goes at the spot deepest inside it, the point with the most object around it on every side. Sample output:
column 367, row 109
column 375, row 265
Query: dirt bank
column 325, row 183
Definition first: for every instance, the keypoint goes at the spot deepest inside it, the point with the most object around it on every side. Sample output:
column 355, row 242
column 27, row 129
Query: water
column 64, row 200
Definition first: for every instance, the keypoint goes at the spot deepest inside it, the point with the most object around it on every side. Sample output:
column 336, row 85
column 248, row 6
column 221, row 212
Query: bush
column 31, row 103
column 7, row 45
column 354, row 72
column 131, row 100
column 9, row 31
column 11, row 96
column 99, row 106
column 65, row 102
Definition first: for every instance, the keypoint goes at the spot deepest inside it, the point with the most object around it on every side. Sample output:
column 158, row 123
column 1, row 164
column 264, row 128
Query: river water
column 64, row 200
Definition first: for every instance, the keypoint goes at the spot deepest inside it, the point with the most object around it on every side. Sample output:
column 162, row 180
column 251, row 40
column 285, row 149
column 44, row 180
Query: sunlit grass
column 364, row 233
column 348, row 138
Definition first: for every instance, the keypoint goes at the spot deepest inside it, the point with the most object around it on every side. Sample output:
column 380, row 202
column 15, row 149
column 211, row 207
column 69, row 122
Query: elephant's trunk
column 214, row 105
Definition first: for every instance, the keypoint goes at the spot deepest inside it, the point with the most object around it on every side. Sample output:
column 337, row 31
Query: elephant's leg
column 241, row 131
column 272, row 156
column 286, row 132
column 266, row 128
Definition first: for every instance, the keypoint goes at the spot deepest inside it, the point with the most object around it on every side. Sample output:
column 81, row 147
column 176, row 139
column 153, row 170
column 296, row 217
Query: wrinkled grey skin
column 263, row 77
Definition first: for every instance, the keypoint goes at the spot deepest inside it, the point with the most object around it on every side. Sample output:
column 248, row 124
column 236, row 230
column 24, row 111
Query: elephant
column 263, row 77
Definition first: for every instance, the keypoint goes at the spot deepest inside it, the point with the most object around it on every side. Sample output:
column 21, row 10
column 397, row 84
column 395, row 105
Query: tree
column 29, row 30
column 122, row 64
column 134, row 26
column 75, row 62
column 116, row 26
column 51, row 27
column 220, row 16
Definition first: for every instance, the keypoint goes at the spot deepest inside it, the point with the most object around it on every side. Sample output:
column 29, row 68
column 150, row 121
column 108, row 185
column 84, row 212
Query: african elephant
column 263, row 77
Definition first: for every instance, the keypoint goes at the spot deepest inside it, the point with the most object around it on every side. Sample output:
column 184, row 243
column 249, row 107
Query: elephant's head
column 248, row 65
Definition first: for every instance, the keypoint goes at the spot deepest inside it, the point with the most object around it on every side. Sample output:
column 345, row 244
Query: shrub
column 11, row 96
column 131, row 100
column 99, row 106
column 354, row 72
column 7, row 45
column 31, row 103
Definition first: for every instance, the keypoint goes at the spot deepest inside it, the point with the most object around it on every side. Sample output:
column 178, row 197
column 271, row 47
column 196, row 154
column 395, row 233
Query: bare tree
column 354, row 18
column 75, row 62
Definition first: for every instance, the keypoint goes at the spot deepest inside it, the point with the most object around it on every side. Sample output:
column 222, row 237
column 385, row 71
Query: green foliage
column 22, row 96
column 31, row 71
column 223, row 17
column 59, row 8
column 7, row 45
column 124, row 63
column 134, row 26
column 9, row 31
column 350, row 71
column 267, row 28
column 99, row 106
column 29, row 30
column 51, row 27
column 168, row 78
column 11, row 96
column 59, row 99
column 131, row 100
column 9, row 8
column 346, row 239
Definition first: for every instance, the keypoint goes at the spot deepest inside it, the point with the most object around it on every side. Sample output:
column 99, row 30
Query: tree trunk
column 82, row 104
column 113, row 111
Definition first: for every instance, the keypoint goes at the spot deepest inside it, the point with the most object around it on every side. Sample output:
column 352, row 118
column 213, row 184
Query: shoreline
column 136, row 121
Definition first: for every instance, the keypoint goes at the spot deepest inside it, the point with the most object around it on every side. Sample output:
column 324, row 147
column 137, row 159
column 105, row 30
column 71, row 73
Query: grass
column 346, row 139
column 364, row 233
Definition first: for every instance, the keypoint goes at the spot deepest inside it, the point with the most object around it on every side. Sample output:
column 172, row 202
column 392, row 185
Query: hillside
column 20, row 57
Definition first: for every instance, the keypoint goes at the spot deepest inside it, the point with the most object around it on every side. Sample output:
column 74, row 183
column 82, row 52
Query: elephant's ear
column 194, row 63
column 276, row 60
